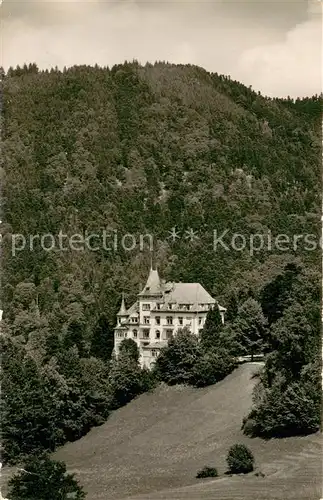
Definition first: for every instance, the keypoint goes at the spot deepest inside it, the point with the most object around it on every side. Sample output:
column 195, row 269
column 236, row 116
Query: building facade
column 160, row 311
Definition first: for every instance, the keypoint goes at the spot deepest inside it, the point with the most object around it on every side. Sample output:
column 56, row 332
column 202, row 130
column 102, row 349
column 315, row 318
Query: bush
column 240, row 459
column 250, row 426
column 207, row 472
column 44, row 479
column 282, row 413
column 148, row 380
column 128, row 347
column 175, row 363
column 212, row 367
column 126, row 380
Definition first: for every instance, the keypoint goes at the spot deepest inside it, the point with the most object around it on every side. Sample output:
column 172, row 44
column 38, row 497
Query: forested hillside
column 140, row 150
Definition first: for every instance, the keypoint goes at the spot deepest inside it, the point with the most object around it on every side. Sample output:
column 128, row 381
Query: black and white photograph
column 161, row 221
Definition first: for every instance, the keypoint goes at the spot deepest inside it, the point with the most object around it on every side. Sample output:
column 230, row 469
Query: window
column 158, row 306
column 146, row 320
column 146, row 333
column 146, row 307
column 157, row 334
column 180, row 320
column 125, row 335
column 157, row 318
column 120, row 335
column 169, row 334
column 154, row 353
column 135, row 333
column 200, row 321
column 169, row 320
column 170, row 306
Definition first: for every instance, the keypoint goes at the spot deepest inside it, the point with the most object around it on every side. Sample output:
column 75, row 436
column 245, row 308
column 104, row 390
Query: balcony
column 144, row 343
column 168, row 333
column 141, row 337
column 145, row 334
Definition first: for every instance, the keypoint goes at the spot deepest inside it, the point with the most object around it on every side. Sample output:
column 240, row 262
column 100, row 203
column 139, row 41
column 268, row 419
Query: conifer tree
column 102, row 339
column 232, row 309
column 250, row 327
column 210, row 335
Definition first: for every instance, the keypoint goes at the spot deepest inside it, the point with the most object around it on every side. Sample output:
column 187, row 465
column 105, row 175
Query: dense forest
column 141, row 150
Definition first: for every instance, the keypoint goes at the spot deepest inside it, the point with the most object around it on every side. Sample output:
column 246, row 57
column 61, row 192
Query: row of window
column 169, row 320
column 146, row 334
column 122, row 335
column 185, row 307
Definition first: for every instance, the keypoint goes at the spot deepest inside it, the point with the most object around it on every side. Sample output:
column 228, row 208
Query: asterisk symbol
column 191, row 235
column 173, row 234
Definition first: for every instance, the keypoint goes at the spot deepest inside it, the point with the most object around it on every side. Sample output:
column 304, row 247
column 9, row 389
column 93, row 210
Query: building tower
column 122, row 314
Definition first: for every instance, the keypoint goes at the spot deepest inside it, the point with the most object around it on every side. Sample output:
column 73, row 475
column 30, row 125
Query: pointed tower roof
column 122, row 310
column 153, row 285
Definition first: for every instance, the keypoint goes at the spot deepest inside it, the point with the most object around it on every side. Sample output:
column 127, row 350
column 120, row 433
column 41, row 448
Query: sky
column 273, row 45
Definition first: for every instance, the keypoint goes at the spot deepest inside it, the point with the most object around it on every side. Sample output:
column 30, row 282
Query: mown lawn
column 153, row 447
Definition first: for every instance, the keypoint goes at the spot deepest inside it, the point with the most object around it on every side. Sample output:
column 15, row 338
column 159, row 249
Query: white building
column 160, row 311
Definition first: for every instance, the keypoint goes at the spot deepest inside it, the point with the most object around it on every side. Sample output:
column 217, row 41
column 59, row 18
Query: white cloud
column 259, row 52
column 293, row 66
